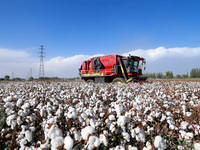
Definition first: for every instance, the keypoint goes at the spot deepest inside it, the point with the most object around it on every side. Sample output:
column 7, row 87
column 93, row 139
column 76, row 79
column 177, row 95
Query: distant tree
column 195, row 73
column 159, row 75
column 7, row 78
column 178, row 76
column 150, row 75
column 184, row 76
column 169, row 75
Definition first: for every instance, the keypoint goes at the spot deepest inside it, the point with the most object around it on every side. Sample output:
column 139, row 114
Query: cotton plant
column 68, row 115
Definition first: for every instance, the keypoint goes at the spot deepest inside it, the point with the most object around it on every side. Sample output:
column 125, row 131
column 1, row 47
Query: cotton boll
column 92, row 122
column 11, row 121
column 25, row 106
column 184, row 125
column 86, row 131
column 111, row 117
column 72, row 113
column 126, row 136
column 56, row 142
column 189, row 136
column 163, row 118
column 54, row 132
column 19, row 120
column 118, row 109
column 84, row 115
column 112, row 126
column 130, row 147
column 8, row 99
column 159, row 143
column 93, row 140
column 103, row 139
column 28, row 135
column 19, row 102
column 44, row 146
column 68, row 142
column 188, row 114
column 197, row 146
column 121, row 121
column 23, row 142
column 138, row 134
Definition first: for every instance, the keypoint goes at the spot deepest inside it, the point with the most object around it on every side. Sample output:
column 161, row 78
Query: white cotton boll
column 10, row 119
column 189, row 136
column 159, row 143
column 112, row 126
column 28, row 135
column 168, row 113
column 121, row 121
column 183, row 133
column 44, row 146
column 93, row 140
column 54, row 132
column 92, row 123
column 126, row 136
column 180, row 147
column 84, row 115
column 118, row 109
column 139, row 134
column 163, row 118
column 19, row 102
column 56, row 142
column 8, row 99
column 32, row 129
column 25, row 106
column 197, row 146
column 148, row 146
column 77, row 136
column 19, row 120
column 111, row 117
column 184, row 125
column 23, row 142
column 72, row 113
column 133, row 134
column 188, row 114
column 130, row 147
column 59, row 112
column 86, row 131
column 68, row 142
column 103, row 139
column 101, row 115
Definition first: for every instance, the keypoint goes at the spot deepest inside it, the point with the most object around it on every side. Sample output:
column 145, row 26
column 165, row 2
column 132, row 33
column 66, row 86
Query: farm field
column 76, row 115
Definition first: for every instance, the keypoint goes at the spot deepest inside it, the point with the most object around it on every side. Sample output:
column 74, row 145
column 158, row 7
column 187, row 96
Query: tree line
column 194, row 73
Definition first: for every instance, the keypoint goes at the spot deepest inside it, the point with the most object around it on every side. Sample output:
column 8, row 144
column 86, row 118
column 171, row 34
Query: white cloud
column 66, row 67
column 7, row 55
column 17, row 62
column 161, row 52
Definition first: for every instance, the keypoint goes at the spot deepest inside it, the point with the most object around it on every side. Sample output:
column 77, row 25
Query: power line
column 41, row 55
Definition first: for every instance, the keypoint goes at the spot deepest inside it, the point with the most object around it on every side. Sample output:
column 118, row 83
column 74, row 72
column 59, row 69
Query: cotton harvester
column 113, row 68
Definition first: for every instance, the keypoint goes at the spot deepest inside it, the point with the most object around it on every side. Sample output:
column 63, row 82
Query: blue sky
column 71, row 28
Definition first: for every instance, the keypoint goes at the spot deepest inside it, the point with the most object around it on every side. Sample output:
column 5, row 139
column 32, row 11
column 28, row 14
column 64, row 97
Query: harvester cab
column 113, row 68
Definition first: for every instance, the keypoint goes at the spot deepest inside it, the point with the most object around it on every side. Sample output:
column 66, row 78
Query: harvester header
column 113, row 68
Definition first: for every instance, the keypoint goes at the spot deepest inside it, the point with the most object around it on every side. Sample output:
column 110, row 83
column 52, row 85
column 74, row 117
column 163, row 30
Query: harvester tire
column 118, row 80
column 90, row 81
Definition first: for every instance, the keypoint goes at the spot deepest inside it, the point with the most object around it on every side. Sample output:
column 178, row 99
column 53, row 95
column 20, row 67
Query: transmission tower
column 41, row 55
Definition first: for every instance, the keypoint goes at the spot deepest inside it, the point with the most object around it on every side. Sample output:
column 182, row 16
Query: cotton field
column 77, row 115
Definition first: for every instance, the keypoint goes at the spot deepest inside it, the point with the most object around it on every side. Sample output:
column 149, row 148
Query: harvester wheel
column 118, row 80
column 90, row 81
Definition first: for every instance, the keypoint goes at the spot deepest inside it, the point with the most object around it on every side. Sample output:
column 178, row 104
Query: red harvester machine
column 113, row 68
